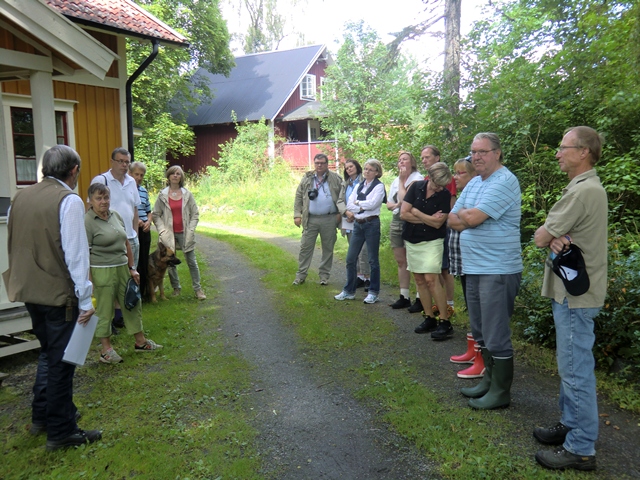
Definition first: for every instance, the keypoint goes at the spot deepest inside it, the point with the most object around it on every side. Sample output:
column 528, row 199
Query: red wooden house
column 283, row 87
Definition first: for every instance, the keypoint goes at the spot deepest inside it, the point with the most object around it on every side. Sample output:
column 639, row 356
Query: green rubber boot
column 498, row 395
column 483, row 387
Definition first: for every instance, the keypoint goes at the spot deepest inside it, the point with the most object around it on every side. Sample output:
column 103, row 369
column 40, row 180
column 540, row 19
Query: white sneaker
column 344, row 296
column 371, row 298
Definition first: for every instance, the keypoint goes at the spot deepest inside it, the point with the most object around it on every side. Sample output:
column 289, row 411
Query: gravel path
column 310, row 429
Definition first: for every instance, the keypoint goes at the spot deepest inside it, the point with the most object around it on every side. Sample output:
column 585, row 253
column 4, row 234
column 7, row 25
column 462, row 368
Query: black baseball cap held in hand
column 569, row 266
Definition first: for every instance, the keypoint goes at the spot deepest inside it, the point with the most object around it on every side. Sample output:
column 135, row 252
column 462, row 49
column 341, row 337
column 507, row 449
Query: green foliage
column 158, row 139
column 166, row 79
column 246, row 157
column 370, row 101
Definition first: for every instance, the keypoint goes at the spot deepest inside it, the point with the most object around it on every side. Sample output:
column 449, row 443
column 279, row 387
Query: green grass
column 354, row 348
column 179, row 413
column 268, row 206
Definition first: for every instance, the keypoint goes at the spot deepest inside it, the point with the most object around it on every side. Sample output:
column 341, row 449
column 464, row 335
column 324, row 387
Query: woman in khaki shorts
column 408, row 173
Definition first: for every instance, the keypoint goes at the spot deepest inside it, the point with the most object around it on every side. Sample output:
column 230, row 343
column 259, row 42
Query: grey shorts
column 395, row 233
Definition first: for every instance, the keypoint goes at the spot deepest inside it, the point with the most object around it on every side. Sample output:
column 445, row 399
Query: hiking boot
column 344, row 296
column 298, row 281
column 176, row 292
column 371, row 298
column 429, row 325
column 402, row 302
column 38, row 428
column 416, row 307
column 147, row 346
column 76, row 439
column 551, row 436
column 324, row 282
column 110, row 356
column 200, row 295
column 560, row 459
column 450, row 311
column 444, row 331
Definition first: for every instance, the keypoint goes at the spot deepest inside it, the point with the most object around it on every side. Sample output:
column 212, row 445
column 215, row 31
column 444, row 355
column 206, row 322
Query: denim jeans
column 53, row 388
column 578, row 403
column 192, row 263
column 368, row 232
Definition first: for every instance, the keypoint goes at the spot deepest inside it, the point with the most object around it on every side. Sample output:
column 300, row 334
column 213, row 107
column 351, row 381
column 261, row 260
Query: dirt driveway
column 313, row 429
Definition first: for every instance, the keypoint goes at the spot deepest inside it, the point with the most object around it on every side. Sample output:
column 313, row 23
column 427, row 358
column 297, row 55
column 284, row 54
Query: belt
column 366, row 219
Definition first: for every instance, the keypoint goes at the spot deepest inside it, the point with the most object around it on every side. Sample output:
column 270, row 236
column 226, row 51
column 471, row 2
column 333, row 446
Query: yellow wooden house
column 63, row 80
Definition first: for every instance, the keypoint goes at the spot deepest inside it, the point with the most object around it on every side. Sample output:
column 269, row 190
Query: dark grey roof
column 308, row 110
column 258, row 86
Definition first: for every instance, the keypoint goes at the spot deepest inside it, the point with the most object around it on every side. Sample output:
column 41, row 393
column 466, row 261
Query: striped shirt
column 493, row 247
column 144, row 207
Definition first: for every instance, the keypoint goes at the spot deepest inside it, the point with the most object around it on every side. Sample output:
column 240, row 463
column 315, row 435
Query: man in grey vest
column 49, row 272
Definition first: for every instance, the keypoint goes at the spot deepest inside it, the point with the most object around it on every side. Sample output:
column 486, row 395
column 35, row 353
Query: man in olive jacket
column 315, row 209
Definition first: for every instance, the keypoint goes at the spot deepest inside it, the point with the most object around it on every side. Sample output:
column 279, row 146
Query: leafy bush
column 163, row 137
column 246, row 157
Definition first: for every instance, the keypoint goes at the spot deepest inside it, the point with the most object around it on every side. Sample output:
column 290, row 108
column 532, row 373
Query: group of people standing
column 61, row 255
column 471, row 228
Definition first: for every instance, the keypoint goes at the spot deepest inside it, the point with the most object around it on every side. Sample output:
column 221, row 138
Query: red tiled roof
column 118, row 15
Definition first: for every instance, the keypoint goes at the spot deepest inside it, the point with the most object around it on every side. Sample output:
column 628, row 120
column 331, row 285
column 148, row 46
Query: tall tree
column 370, row 102
column 166, row 79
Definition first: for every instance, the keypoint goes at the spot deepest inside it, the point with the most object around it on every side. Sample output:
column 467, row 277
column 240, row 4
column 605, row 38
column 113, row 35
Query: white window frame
column 308, row 87
column 10, row 100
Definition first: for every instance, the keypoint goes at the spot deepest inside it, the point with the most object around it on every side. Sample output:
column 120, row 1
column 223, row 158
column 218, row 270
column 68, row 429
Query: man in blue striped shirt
column 138, row 171
column 487, row 214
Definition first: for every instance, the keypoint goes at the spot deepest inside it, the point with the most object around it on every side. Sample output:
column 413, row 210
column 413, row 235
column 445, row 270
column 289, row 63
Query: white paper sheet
column 80, row 342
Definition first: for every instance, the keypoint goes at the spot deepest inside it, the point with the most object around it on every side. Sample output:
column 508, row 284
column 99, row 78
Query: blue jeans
column 368, row 232
column 53, row 388
column 578, row 403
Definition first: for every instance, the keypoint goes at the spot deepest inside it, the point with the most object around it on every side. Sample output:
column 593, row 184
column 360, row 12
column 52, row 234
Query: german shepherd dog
column 159, row 261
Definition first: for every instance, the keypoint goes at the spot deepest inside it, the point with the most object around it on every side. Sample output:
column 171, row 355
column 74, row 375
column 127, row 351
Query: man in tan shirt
column 579, row 217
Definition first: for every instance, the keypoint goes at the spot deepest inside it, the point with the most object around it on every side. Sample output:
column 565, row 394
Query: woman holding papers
column 111, row 262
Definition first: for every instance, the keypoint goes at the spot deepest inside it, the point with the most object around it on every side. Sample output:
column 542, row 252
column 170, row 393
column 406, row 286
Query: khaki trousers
column 325, row 226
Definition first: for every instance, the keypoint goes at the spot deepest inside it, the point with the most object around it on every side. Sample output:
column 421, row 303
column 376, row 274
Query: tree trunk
column 452, row 12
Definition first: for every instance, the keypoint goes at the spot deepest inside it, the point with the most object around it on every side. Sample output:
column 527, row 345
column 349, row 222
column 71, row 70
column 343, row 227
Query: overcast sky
column 322, row 21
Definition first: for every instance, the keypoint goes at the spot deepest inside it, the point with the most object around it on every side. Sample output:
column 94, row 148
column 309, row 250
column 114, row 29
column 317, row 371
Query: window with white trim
column 18, row 123
column 24, row 142
column 308, row 87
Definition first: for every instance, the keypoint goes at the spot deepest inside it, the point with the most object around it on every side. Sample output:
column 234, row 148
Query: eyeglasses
column 562, row 148
column 122, row 162
column 459, row 173
column 481, row 153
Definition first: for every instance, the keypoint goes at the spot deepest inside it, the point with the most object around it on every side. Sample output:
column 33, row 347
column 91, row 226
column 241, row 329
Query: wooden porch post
column 44, row 118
